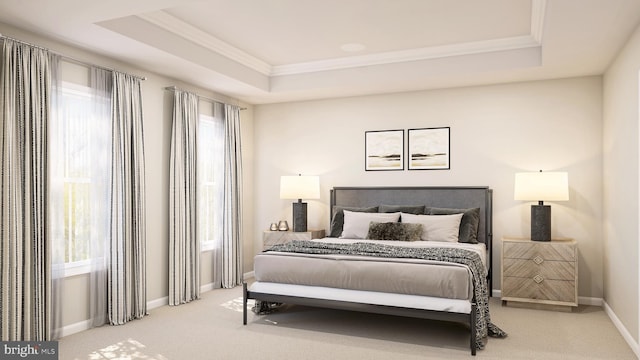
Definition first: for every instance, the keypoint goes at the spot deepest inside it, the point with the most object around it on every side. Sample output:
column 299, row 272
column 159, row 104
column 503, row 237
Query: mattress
column 364, row 297
column 365, row 273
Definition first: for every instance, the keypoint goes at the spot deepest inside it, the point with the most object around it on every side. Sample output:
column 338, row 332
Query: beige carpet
column 211, row 328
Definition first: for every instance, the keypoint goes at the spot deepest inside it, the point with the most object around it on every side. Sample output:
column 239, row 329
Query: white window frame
column 80, row 267
column 210, row 244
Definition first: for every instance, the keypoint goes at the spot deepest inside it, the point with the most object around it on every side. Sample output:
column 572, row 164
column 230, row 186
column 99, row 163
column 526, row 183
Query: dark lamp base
column 541, row 222
column 299, row 217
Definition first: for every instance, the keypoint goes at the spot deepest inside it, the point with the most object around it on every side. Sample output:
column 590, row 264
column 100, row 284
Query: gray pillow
column 468, row 225
column 409, row 209
column 337, row 220
column 394, row 231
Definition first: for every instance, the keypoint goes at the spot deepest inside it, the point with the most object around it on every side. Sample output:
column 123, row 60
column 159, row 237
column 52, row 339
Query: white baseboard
column 75, row 328
column 583, row 300
column 623, row 330
column 157, row 303
column 248, row 275
column 206, row 287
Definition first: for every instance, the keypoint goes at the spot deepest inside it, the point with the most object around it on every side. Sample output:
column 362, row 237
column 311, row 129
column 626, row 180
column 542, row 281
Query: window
column 79, row 155
column 210, row 177
column 76, row 106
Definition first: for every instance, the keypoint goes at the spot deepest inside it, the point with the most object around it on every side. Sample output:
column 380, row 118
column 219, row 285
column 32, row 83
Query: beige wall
column 157, row 104
column 621, row 183
column 495, row 132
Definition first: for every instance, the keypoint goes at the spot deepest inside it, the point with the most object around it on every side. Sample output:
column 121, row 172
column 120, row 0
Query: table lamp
column 299, row 187
column 541, row 186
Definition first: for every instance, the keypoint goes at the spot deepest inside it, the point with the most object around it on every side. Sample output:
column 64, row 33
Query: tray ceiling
column 287, row 50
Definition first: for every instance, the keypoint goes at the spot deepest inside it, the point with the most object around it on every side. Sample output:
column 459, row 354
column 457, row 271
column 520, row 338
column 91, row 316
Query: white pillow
column 436, row 227
column 356, row 224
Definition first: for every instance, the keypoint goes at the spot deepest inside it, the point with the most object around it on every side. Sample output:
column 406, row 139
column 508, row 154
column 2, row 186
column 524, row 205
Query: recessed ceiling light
column 352, row 47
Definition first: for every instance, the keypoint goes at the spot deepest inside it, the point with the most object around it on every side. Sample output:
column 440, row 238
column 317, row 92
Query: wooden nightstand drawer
column 549, row 269
column 546, row 290
column 543, row 250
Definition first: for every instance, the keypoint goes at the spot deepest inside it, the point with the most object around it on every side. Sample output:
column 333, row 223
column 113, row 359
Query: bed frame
column 444, row 197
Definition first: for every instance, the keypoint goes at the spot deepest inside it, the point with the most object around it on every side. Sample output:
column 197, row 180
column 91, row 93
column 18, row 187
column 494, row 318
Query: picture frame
column 384, row 150
column 429, row 149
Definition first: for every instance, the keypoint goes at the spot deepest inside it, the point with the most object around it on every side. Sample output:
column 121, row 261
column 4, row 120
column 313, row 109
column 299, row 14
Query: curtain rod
column 174, row 88
column 68, row 58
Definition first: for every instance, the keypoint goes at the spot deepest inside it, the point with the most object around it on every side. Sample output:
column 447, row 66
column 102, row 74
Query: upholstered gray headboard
column 465, row 197
column 442, row 197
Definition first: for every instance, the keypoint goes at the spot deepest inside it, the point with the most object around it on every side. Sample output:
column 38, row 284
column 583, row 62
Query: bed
column 430, row 273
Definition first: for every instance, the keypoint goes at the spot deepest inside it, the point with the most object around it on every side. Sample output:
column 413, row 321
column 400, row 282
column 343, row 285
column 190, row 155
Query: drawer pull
column 538, row 260
column 538, row 279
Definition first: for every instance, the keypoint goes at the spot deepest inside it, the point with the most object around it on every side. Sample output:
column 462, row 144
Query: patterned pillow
column 394, row 231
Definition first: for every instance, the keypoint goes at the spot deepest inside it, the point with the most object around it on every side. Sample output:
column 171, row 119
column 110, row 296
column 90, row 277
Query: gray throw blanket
column 472, row 260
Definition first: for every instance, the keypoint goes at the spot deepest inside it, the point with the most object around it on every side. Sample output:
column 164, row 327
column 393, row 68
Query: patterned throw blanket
column 472, row 260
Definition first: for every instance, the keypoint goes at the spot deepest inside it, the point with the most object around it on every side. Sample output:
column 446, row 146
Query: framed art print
column 384, row 150
column 429, row 149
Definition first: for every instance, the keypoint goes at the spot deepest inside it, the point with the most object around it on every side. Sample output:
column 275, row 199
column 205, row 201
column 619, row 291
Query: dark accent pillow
column 394, row 231
column 337, row 220
column 468, row 225
column 409, row 209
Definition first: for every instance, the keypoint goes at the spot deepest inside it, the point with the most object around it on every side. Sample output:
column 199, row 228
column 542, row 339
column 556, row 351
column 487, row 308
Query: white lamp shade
column 542, row 186
column 299, row 187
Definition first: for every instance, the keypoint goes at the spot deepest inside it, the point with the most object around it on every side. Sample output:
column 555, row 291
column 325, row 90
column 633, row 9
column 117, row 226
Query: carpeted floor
column 211, row 328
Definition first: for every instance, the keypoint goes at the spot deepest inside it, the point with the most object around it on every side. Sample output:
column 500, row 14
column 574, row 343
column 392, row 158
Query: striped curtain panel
column 232, row 203
column 126, row 274
column 184, row 249
column 25, row 271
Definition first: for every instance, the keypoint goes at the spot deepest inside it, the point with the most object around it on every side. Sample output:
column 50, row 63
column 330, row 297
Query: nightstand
column 270, row 238
column 540, row 273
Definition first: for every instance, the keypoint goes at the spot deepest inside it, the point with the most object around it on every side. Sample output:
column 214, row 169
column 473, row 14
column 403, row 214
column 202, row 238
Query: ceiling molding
column 427, row 53
column 197, row 36
column 173, row 24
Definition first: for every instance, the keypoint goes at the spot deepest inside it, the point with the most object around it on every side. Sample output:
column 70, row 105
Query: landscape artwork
column 384, row 150
column 429, row 148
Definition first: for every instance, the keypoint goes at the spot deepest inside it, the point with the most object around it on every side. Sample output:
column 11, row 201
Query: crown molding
column 197, row 36
column 427, row 53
